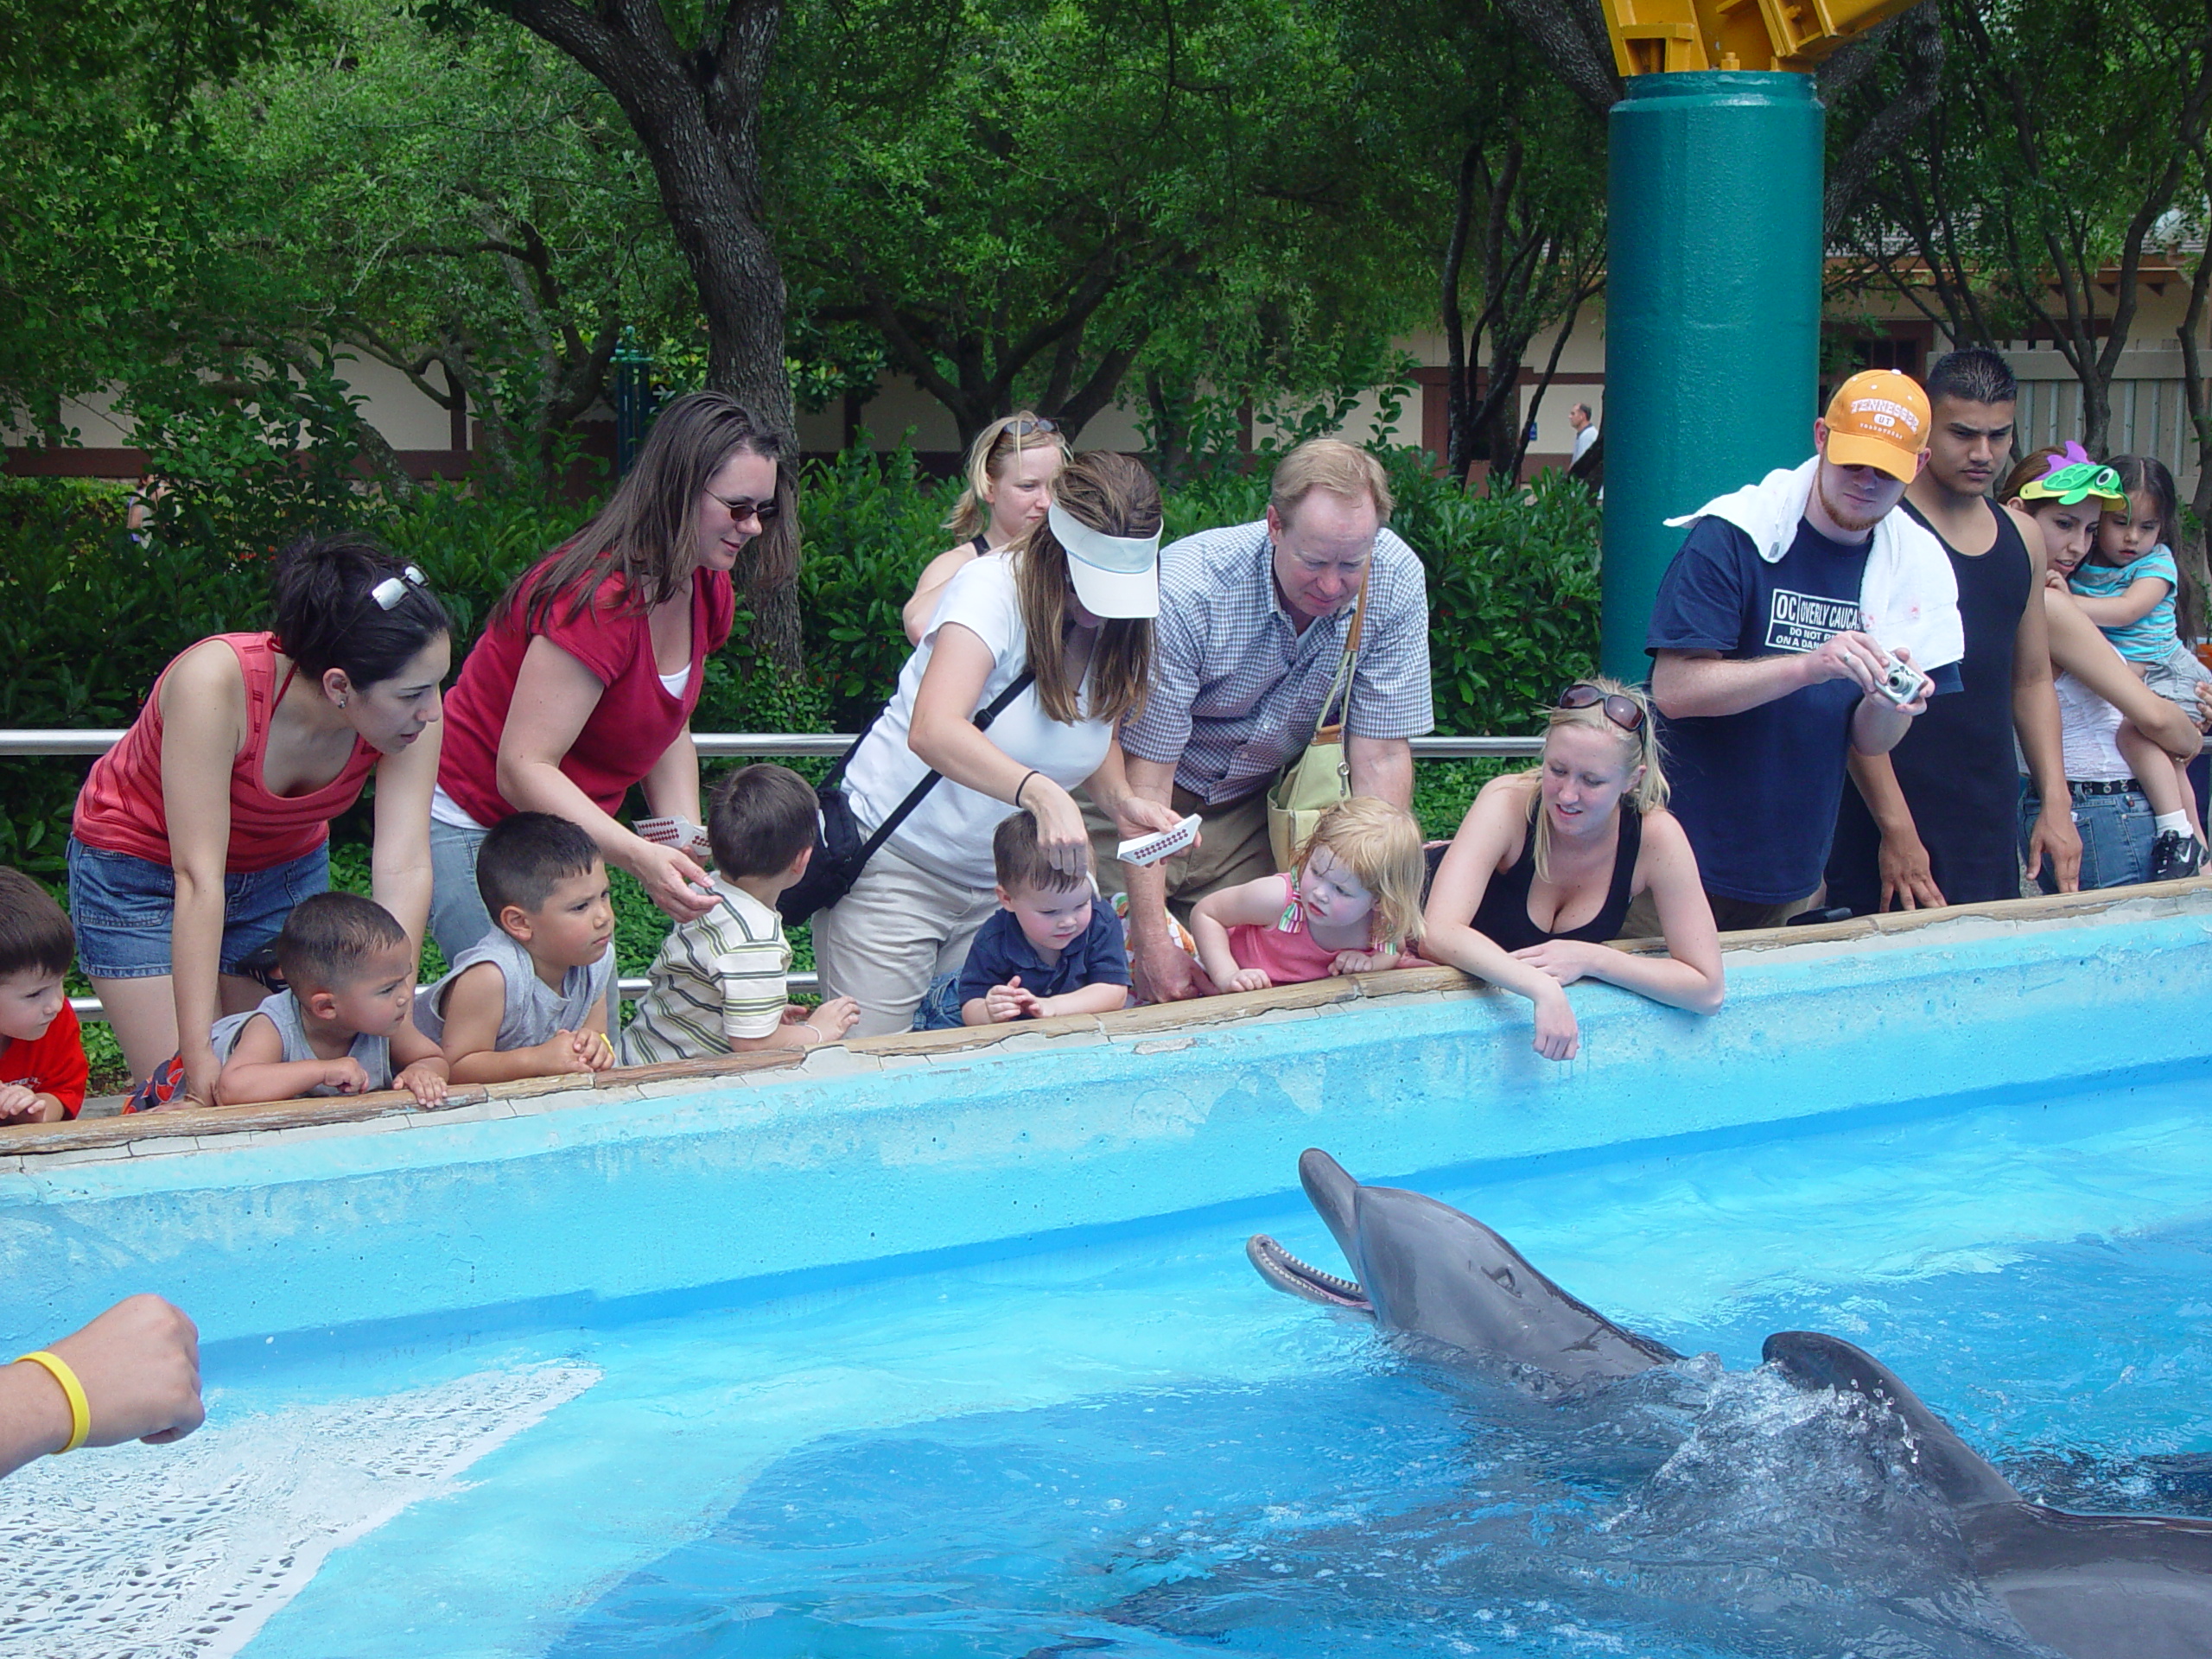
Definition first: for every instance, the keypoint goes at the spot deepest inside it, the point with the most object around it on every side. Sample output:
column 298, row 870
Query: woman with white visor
column 1067, row 611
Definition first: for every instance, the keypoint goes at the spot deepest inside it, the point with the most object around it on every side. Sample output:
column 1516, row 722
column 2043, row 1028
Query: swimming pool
column 960, row 1355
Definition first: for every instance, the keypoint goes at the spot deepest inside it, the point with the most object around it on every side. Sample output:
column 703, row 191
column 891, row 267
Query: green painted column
column 1713, row 313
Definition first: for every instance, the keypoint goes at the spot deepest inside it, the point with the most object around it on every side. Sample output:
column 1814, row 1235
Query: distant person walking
column 1772, row 641
column 1586, row 434
column 1935, row 821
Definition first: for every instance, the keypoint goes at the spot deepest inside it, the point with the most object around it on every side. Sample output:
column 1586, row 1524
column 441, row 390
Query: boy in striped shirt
column 719, row 982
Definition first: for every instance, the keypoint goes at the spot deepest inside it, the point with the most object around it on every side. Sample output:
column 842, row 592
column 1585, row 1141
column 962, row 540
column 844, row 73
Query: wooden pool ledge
column 1158, row 1027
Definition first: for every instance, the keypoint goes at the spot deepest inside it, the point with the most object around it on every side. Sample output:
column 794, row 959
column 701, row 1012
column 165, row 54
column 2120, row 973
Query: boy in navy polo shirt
column 1050, row 949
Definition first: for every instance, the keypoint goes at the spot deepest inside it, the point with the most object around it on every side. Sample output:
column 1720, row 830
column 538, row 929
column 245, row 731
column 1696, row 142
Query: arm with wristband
column 132, row 1374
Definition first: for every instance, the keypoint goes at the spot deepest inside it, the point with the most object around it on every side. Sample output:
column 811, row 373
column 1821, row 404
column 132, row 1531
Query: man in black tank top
column 1935, row 821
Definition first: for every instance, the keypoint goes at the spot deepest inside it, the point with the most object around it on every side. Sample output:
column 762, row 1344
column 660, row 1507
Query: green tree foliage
column 2060, row 146
column 1024, row 201
column 466, row 206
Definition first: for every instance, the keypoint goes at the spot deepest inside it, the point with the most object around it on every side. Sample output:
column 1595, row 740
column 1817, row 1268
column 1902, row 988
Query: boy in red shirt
column 42, row 1067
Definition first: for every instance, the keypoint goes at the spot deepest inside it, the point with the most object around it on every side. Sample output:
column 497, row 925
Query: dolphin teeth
column 1285, row 1272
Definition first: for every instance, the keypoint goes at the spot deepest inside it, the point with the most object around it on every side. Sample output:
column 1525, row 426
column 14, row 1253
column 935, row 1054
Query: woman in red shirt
column 195, row 835
column 586, row 676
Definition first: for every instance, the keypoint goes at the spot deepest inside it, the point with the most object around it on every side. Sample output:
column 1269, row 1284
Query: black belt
column 2080, row 786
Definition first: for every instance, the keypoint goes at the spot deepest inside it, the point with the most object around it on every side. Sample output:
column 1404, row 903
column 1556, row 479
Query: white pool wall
column 860, row 1167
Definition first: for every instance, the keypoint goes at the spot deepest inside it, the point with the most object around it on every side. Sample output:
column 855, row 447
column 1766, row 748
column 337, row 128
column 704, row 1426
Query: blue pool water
column 1138, row 1448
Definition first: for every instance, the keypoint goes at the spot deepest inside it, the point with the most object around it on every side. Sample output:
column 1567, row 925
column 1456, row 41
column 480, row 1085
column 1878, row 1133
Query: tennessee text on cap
column 1878, row 419
column 1114, row 576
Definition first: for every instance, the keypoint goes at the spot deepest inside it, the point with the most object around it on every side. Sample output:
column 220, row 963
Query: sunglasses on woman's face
column 1622, row 711
column 740, row 509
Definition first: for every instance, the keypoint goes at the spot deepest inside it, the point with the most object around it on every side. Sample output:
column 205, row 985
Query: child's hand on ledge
column 1368, row 962
column 22, row 1105
column 425, row 1080
column 588, row 1050
column 1010, row 1001
column 1248, row 979
column 348, row 1076
column 834, row 1018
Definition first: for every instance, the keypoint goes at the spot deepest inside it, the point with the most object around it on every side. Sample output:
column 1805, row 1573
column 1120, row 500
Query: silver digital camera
column 1901, row 683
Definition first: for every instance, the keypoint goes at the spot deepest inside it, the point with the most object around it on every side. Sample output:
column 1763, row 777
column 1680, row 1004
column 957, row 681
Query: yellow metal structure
column 1664, row 36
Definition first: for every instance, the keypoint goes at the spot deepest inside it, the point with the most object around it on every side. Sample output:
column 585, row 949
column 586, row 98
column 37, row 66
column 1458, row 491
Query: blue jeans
column 458, row 917
column 2116, row 835
column 123, row 906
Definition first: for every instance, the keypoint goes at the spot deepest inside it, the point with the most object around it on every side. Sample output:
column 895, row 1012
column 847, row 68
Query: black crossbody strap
column 899, row 813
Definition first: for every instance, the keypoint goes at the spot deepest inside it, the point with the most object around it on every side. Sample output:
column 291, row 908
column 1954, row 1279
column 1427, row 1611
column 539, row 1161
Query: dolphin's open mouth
column 1285, row 1272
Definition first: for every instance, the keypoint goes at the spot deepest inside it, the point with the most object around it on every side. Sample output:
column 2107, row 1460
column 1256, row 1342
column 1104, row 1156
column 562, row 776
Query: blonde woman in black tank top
column 1547, row 862
column 1011, row 468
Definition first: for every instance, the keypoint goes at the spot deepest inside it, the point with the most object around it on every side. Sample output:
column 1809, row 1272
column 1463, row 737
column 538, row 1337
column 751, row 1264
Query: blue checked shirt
column 1236, row 690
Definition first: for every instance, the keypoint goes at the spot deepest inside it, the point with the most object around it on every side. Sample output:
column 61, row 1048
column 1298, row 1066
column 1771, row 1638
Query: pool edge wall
column 743, row 1189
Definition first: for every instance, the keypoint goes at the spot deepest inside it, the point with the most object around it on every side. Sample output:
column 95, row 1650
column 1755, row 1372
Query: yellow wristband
column 81, row 1409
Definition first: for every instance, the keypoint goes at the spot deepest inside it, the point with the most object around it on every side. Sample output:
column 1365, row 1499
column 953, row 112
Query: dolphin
column 2093, row 1587
column 1424, row 1268
column 2090, row 1586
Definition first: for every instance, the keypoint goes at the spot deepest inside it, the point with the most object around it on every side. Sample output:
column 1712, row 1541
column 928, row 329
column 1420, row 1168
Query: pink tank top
column 1284, row 949
column 120, row 809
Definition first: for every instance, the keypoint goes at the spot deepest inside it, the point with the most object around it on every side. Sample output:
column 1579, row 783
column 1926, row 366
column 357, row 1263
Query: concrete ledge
column 203, row 1128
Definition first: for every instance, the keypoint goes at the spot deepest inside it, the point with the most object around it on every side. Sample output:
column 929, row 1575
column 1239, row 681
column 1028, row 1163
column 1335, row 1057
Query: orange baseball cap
column 1878, row 418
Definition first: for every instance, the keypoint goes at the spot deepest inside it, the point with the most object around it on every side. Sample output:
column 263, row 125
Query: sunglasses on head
column 389, row 591
column 1023, row 428
column 1624, row 712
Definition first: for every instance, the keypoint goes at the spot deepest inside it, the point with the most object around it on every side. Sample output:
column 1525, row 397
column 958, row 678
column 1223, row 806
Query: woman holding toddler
column 1069, row 606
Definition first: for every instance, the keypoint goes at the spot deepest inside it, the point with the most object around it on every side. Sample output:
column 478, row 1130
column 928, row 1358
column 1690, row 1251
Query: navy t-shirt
column 1094, row 957
column 1757, row 791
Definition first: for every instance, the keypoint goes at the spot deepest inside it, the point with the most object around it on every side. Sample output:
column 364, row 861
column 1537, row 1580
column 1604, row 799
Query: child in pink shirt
column 1347, row 906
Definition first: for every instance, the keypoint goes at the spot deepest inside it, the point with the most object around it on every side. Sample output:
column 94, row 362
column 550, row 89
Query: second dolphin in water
column 2092, row 1586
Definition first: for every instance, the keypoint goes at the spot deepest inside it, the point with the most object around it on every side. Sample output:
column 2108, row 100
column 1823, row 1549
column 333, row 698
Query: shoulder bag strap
column 1340, row 686
column 899, row 813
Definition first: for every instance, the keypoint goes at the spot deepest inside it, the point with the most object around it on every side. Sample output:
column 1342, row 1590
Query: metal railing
column 772, row 745
column 720, row 746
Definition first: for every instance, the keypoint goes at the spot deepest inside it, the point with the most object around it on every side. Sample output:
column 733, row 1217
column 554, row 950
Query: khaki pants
column 1232, row 848
column 898, row 928
column 1731, row 915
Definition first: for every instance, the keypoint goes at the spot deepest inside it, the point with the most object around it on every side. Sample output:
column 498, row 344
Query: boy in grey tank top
column 343, row 1024
column 529, row 999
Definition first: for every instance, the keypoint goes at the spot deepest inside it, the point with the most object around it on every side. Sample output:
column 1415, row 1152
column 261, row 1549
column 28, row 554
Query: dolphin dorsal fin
column 1952, row 1470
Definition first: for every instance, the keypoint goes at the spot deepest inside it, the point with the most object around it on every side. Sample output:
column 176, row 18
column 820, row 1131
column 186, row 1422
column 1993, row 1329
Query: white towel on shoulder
column 1909, row 593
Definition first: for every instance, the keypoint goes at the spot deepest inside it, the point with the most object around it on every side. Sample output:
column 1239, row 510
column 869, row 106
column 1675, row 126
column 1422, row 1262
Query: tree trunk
column 2199, row 420
column 697, row 114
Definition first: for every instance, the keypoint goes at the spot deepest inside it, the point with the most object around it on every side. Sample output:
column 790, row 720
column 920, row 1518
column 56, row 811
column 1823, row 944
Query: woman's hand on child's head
column 1010, row 1001
column 425, row 1080
column 1250, row 979
column 834, row 1018
column 348, row 1076
column 1061, row 834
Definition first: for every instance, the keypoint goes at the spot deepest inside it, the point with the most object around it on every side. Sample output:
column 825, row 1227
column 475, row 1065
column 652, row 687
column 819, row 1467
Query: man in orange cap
column 1773, row 638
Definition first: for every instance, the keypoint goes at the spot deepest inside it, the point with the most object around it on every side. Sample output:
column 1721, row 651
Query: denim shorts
column 122, row 907
column 2117, row 832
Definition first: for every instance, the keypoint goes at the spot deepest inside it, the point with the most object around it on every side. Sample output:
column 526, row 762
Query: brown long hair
column 646, row 535
column 1115, row 496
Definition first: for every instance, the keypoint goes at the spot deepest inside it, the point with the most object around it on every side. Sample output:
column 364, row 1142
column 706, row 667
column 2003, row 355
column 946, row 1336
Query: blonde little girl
column 1348, row 905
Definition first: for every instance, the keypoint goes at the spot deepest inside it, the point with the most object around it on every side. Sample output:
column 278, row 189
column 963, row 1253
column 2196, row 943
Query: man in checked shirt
column 1252, row 624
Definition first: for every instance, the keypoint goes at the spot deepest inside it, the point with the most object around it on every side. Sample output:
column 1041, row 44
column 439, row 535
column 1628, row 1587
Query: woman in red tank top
column 196, row 832
column 587, row 671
